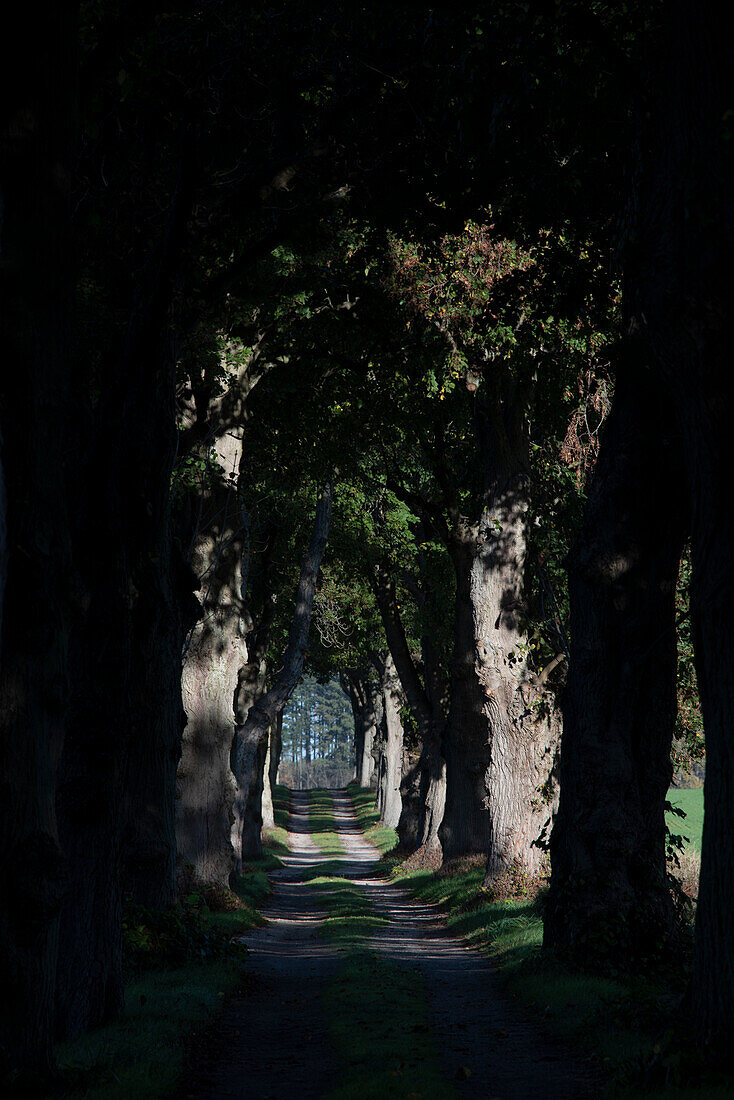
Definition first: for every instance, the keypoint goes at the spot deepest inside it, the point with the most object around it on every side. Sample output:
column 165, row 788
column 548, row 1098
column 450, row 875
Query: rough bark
column 609, row 889
column 248, row 747
column 390, row 806
column 212, row 659
column 217, row 527
column 267, row 795
column 251, row 681
column 500, row 752
column 276, row 749
column 36, row 121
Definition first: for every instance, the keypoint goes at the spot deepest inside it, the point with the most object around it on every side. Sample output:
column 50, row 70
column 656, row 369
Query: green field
column 690, row 826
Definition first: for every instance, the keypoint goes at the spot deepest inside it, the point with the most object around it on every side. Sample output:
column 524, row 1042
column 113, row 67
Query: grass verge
column 182, row 965
column 363, row 800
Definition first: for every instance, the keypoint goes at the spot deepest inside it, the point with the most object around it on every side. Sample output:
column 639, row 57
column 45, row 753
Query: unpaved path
column 273, row 1043
column 473, row 1026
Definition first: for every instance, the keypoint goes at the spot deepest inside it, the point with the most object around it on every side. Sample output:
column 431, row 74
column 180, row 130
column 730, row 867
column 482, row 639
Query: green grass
column 322, row 823
column 363, row 799
column 141, row 1055
column 691, row 826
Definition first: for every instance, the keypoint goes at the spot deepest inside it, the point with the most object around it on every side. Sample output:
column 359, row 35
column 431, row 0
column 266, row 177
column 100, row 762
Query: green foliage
column 689, row 746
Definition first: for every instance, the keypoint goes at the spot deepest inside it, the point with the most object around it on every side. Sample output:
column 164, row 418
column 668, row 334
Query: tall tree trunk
column 423, row 780
column 392, row 755
column 213, row 656
column 609, row 889
column 276, row 749
column 37, row 110
column 267, row 795
column 123, row 650
column 248, row 751
column 684, row 282
column 363, row 695
column 500, row 754
column 409, row 827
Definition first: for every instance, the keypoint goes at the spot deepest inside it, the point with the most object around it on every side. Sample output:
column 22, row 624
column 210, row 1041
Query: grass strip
column 377, row 1012
column 171, row 993
column 322, row 823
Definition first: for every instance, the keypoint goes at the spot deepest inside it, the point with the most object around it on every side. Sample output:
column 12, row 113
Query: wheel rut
column 273, row 1042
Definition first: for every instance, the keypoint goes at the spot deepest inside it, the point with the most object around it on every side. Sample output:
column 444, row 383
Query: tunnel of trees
column 380, row 350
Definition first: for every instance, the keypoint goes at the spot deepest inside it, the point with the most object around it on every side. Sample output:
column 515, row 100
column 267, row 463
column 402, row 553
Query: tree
column 249, row 745
column 38, row 122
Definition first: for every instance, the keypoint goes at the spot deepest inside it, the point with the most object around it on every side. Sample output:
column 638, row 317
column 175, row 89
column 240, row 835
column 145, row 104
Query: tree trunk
column 500, row 753
column 276, row 750
column 465, row 826
column 267, row 795
column 391, row 806
column 684, row 289
column 212, row 659
column 205, row 785
column 363, row 693
column 609, row 890
column 366, row 763
column 411, row 798
column 423, row 781
column 124, row 646
column 248, row 751
column 38, row 106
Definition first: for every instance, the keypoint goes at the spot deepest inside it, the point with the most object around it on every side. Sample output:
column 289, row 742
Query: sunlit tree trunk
column 500, row 751
column 213, row 655
column 391, row 803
